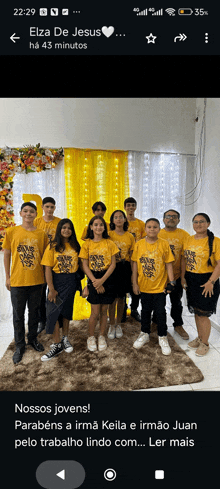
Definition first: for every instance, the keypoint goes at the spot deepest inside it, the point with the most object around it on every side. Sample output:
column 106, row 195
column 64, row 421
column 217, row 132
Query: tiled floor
column 209, row 365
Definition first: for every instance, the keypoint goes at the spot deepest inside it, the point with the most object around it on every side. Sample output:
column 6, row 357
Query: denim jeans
column 20, row 296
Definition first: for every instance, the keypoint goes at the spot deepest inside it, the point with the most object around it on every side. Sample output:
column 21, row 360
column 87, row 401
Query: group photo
column 110, row 244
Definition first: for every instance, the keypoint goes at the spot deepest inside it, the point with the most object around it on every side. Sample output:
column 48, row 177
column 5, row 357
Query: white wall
column 165, row 124
column 209, row 200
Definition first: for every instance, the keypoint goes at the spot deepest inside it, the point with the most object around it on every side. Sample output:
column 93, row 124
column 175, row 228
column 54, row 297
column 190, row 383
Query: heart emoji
column 107, row 31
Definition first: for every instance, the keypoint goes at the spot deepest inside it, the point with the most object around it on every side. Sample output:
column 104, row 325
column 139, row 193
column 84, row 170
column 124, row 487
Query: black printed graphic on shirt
column 64, row 263
column 190, row 257
column 148, row 266
column 26, row 255
column 172, row 247
column 97, row 262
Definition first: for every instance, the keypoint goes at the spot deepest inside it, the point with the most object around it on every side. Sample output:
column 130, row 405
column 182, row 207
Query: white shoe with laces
column 141, row 340
column 91, row 343
column 111, row 332
column 118, row 331
column 165, row 347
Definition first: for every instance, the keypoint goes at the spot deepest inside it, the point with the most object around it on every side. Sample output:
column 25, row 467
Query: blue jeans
column 156, row 303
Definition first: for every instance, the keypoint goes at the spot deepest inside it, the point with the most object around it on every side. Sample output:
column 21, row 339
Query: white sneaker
column 165, row 347
column 111, row 332
column 141, row 340
column 91, row 343
column 102, row 345
column 119, row 332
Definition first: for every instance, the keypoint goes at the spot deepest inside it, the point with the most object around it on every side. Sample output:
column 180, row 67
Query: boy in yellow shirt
column 25, row 244
column 152, row 266
column 48, row 222
column 137, row 228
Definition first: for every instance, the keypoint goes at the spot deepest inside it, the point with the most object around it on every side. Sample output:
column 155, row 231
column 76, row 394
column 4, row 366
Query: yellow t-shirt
column 137, row 228
column 65, row 262
column 151, row 259
column 98, row 253
column 85, row 231
column 175, row 239
column 27, row 249
column 196, row 254
column 125, row 243
column 48, row 227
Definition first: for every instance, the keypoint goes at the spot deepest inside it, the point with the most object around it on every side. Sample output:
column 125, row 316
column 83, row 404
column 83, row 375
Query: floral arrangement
column 21, row 160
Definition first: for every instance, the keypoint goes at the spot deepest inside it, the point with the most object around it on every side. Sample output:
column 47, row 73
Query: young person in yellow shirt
column 48, row 222
column 175, row 237
column 98, row 255
column 200, row 278
column 137, row 228
column 61, row 263
column 152, row 266
column 23, row 250
column 98, row 209
column 122, row 273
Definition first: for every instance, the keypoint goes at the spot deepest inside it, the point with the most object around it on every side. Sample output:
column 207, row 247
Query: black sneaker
column 55, row 350
column 66, row 345
column 136, row 315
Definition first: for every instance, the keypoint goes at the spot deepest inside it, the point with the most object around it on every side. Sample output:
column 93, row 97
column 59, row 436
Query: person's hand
column 136, row 289
column 183, row 283
column 52, row 295
column 8, row 284
column 100, row 290
column 97, row 283
column 208, row 289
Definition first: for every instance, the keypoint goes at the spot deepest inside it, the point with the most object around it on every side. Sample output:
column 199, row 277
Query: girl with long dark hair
column 122, row 273
column 61, row 261
column 98, row 255
column 200, row 274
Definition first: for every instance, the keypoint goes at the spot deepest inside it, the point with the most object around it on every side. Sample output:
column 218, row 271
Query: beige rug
column 119, row 368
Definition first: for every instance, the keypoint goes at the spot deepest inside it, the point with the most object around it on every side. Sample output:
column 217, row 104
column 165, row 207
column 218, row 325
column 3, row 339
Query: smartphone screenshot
column 110, row 117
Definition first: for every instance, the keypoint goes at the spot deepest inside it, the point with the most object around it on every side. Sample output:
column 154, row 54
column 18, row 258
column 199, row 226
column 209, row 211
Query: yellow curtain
column 90, row 176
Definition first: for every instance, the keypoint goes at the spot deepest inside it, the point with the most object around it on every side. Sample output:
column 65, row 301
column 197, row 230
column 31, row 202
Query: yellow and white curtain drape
column 92, row 176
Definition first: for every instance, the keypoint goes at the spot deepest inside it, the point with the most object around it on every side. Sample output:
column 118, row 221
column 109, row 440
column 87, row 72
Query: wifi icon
column 170, row 11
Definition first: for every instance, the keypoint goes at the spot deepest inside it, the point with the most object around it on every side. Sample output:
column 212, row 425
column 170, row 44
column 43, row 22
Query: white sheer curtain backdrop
column 49, row 183
column 158, row 182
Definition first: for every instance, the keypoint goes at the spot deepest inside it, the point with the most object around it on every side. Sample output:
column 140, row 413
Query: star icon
column 151, row 38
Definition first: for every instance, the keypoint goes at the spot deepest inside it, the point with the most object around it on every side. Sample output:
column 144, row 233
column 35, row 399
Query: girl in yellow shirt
column 200, row 278
column 152, row 265
column 61, row 263
column 98, row 255
column 122, row 274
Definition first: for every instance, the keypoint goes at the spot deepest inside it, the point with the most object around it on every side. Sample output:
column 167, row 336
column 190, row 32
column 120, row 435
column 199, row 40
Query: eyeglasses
column 199, row 222
column 171, row 217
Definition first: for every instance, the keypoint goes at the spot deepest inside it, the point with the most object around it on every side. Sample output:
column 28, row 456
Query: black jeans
column 20, row 296
column 42, row 310
column 176, row 305
column 156, row 303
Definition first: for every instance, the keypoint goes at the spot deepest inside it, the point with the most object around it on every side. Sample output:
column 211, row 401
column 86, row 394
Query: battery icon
column 185, row 11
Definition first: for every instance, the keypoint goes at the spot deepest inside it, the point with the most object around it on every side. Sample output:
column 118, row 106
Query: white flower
column 48, row 165
column 7, row 186
column 10, row 196
column 48, row 152
column 9, row 208
column 33, row 167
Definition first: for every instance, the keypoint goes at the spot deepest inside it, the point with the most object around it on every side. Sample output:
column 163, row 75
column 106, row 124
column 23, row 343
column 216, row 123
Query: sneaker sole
column 69, row 350
column 47, row 359
column 138, row 347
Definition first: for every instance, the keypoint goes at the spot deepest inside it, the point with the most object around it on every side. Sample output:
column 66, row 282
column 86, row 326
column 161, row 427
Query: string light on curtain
column 161, row 183
column 145, row 196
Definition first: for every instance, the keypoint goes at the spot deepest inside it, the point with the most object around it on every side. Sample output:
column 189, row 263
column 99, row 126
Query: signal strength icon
column 171, row 11
column 143, row 12
column 158, row 12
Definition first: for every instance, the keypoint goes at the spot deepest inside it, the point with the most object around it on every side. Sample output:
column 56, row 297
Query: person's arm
column 7, row 265
column 49, row 279
column 183, row 271
column 169, row 268
column 208, row 286
column 134, row 278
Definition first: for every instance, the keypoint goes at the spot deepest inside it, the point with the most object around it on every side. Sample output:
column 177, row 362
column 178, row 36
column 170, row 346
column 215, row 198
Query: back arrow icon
column 13, row 37
column 181, row 37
